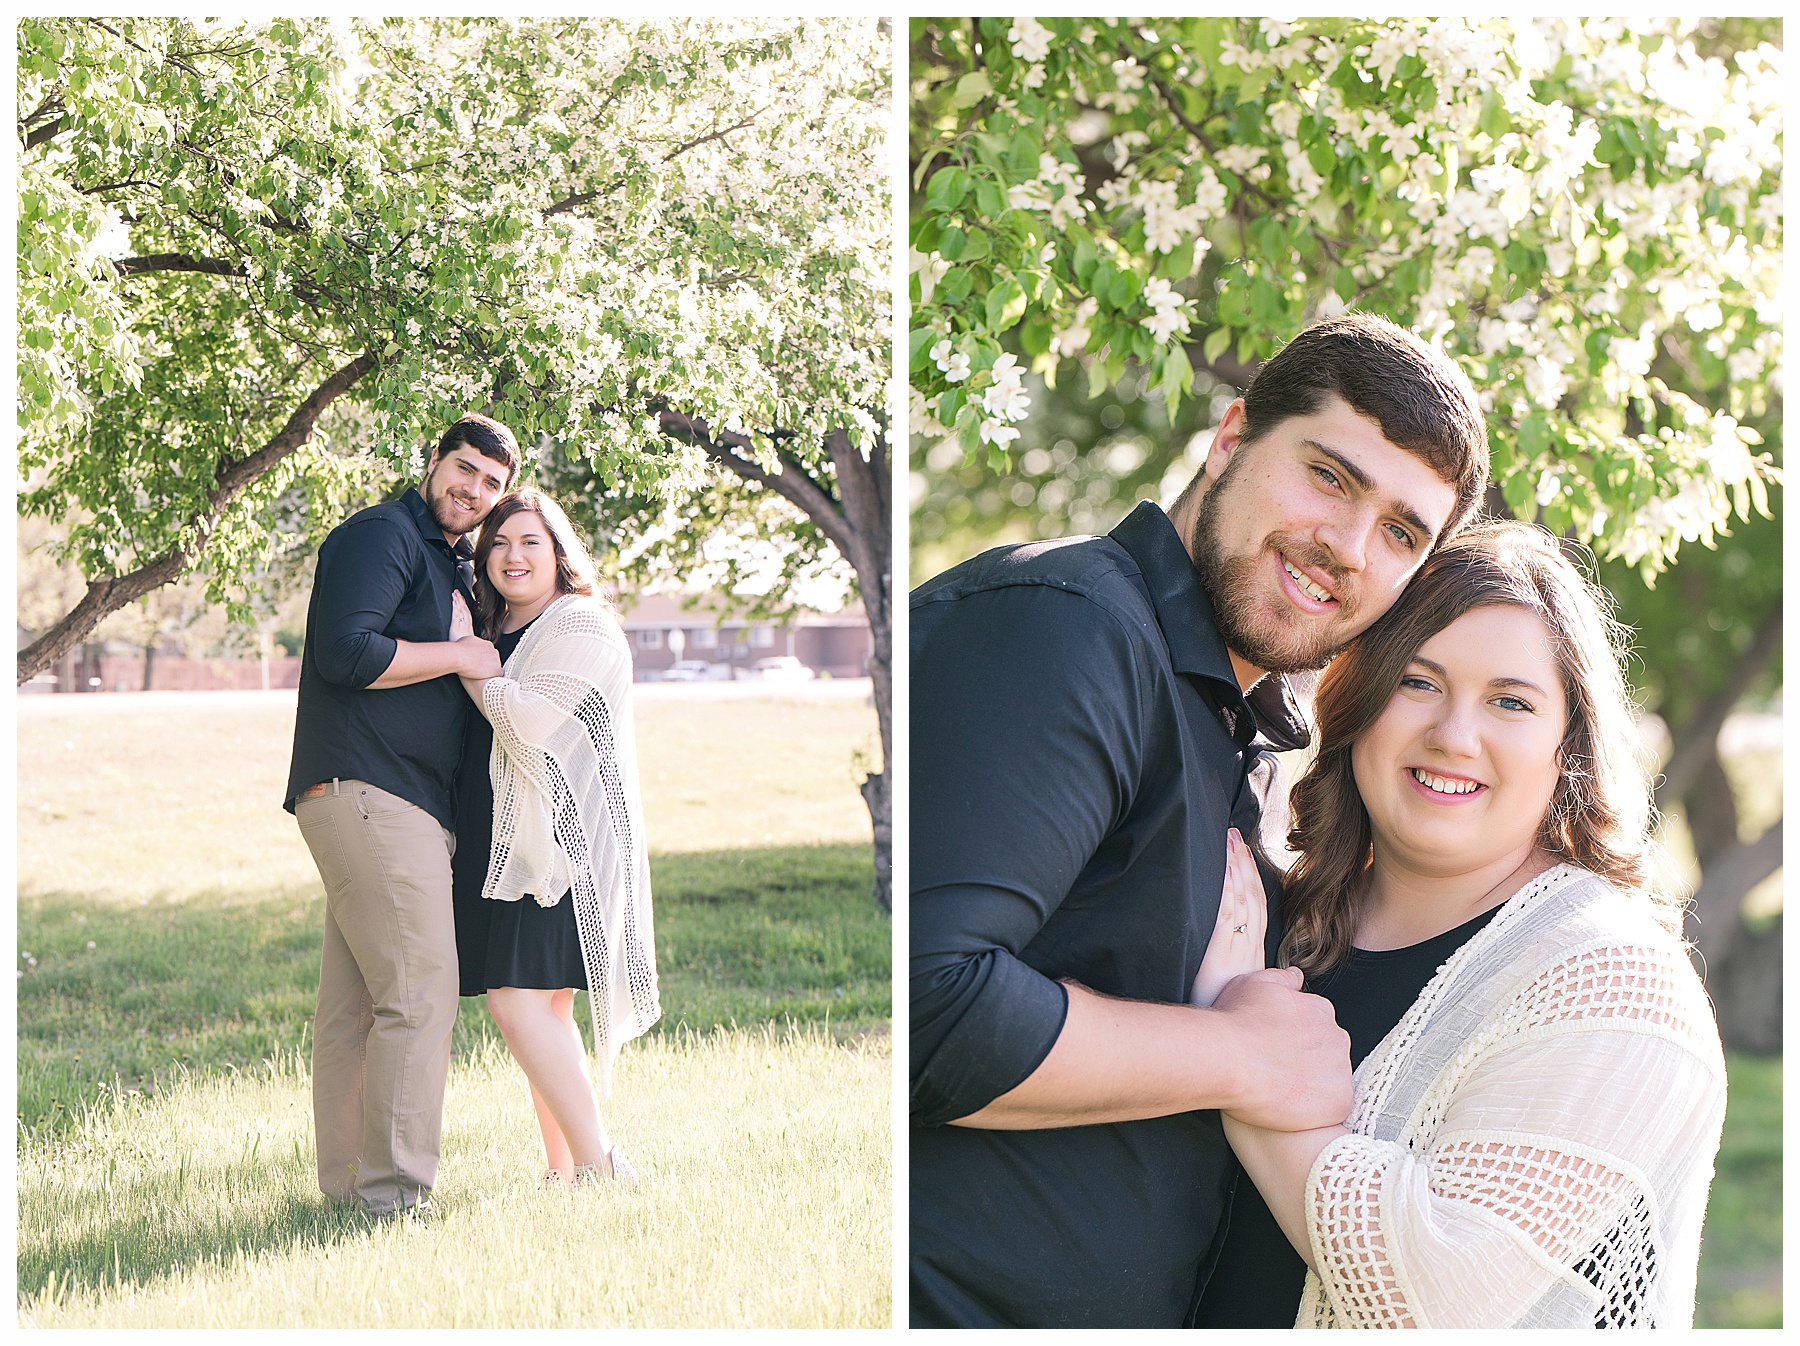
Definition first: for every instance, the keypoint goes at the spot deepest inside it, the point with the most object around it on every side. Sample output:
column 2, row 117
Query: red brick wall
column 174, row 674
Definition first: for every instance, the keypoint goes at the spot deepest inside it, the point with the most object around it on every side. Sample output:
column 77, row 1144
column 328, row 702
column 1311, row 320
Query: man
column 376, row 742
column 1081, row 742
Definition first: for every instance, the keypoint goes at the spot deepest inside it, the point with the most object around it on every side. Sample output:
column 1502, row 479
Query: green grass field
column 169, row 925
column 1740, row 1252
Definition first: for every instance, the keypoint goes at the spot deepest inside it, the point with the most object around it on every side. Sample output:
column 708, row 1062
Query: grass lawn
column 1740, row 1252
column 169, row 926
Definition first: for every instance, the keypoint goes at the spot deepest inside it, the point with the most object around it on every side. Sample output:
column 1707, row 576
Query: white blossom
column 1240, row 159
column 1006, row 399
column 1168, row 310
column 996, row 433
column 1030, row 39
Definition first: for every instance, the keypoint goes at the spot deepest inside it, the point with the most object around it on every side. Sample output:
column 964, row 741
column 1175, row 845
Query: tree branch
column 1695, row 739
column 578, row 199
column 176, row 261
column 1713, row 918
column 48, row 131
column 720, row 134
column 793, row 483
column 109, row 594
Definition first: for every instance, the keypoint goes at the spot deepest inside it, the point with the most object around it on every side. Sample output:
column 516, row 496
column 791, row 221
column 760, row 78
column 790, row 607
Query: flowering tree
column 1585, row 214
column 660, row 246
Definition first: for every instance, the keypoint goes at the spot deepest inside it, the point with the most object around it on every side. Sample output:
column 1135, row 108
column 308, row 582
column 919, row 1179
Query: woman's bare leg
column 556, row 1146
column 547, row 1046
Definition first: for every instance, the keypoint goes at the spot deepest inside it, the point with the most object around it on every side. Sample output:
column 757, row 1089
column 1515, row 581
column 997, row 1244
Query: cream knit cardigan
column 1533, row 1142
column 567, row 812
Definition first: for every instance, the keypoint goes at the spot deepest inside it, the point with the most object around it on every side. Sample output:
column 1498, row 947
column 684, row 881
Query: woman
column 1539, row 1083
column 550, row 827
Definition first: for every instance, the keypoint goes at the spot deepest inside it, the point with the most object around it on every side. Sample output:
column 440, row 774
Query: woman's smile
column 1461, row 766
column 522, row 565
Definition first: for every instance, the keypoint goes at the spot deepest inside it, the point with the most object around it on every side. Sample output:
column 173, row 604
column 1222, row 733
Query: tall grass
column 169, row 927
column 764, row 1202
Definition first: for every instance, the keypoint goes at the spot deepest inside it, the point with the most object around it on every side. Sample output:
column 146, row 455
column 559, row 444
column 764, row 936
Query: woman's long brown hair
column 1600, row 815
column 574, row 567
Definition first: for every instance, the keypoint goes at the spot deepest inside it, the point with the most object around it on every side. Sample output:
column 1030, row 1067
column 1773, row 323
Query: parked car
column 689, row 670
column 782, row 668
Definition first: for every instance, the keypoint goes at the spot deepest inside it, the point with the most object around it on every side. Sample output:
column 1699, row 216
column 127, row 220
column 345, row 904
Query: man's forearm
column 1265, row 1050
column 1122, row 1061
column 420, row 661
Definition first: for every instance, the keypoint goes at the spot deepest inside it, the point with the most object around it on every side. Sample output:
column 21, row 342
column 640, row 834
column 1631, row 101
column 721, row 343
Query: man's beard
column 1231, row 583
column 444, row 511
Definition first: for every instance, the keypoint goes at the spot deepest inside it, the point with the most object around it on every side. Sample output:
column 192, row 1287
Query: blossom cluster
column 1584, row 212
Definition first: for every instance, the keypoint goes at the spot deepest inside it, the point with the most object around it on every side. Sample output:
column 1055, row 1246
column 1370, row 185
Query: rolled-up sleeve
column 1027, row 741
column 358, row 589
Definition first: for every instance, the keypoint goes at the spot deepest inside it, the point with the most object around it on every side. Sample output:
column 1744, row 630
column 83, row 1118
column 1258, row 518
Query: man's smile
column 1307, row 585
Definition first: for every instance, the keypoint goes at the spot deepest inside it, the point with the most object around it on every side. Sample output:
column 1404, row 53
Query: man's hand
column 1294, row 1060
column 479, row 659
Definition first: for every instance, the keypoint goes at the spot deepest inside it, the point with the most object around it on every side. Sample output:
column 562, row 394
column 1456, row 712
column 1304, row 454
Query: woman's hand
column 1236, row 946
column 461, row 623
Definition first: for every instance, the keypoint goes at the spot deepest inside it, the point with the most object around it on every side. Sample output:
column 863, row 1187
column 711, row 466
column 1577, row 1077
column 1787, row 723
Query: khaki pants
column 387, row 993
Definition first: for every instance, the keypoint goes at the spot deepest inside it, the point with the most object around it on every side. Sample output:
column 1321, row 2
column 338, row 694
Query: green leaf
column 947, row 188
column 971, row 89
column 1494, row 118
column 1084, row 260
column 1177, row 377
column 1005, row 306
column 919, row 343
column 1216, row 342
column 976, row 247
column 951, row 243
column 1022, row 158
column 1179, row 264
column 1034, row 336
column 989, row 200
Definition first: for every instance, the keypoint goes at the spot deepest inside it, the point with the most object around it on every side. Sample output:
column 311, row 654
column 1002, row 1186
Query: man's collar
column 1182, row 607
column 430, row 529
column 1185, row 613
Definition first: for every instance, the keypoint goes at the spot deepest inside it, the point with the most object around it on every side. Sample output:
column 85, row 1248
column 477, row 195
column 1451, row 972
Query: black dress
column 1259, row 1278
column 502, row 943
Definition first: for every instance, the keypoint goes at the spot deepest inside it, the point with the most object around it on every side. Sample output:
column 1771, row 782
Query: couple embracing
column 465, row 776
column 1453, row 1067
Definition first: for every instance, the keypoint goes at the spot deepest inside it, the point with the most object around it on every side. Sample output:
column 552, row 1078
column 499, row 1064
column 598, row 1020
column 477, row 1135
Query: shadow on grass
column 124, row 1251
column 121, row 999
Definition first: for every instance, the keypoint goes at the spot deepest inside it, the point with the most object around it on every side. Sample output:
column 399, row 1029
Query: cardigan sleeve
column 583, row 655
column 1565, row 1152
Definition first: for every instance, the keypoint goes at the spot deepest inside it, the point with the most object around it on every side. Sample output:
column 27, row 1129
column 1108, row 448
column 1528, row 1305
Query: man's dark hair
column 1423, row 402
column 487, row 437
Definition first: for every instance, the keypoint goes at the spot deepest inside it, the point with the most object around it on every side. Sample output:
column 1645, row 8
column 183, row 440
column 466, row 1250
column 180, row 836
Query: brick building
column 831, row 644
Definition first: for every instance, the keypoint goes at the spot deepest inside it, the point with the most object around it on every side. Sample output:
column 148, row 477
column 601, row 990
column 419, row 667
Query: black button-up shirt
column 384, row 575
column 1079, row 748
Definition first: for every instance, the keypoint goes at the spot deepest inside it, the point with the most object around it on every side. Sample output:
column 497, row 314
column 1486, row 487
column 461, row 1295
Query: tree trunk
column 1698, row 736
column 857, row 520
column 110, row 593
column 864, row 486
column 149, row 664
column 1716, row 912
column 1710, row 809
column 1746, row 991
